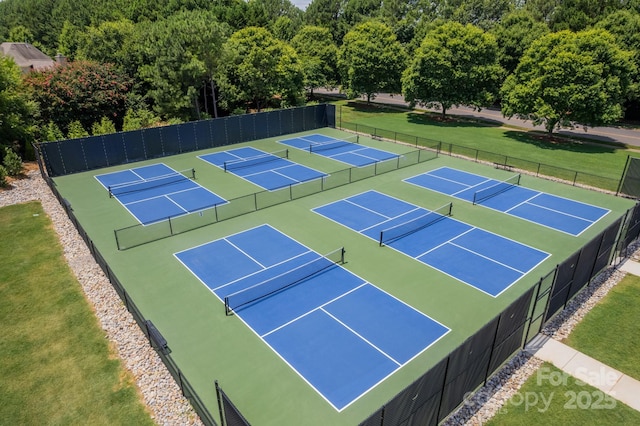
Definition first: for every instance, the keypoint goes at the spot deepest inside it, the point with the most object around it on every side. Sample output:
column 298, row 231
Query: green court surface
column 208, row 345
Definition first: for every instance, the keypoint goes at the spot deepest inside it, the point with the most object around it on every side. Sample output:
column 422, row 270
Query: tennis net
column 154, row 182
column 414, row 225
column 282, row 281
column 258, row 159
column 334, row 144
column 496, row 189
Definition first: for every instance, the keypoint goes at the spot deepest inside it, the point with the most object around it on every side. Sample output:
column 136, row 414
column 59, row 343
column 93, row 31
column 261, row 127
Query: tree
column 284, row 28
column 566, row 79
column 16, row 108
column 69, row 39
column 136, row 119
column 482, row 13
column 514, row 35
column 179, row 57
column 259, row 70
column 326, row 13
column 50, row 132
column 110, row 42
column 318, row 54
column 262, row 13
column 371, row 60
column 81, row 91
column 103, row 127
column 455, row 65
column 624, row 25
column 76, row 130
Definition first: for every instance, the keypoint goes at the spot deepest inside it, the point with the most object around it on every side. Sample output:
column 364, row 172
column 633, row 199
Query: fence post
column 624, row 172
column 493, row 346
column 533, row 311
column 444, row 383
column 220, row 410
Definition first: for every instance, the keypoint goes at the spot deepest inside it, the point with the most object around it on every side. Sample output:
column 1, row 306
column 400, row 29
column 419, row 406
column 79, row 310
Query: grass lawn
column 607, row 160
column 552, row 397
column 609, row 333
column 57, row 367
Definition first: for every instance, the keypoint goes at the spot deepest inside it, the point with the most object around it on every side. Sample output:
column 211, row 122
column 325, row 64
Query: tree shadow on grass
column 449, row 121
column 375, row 108
column 561, row 142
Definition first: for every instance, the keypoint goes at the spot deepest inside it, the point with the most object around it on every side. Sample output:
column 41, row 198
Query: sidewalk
column 589, row 370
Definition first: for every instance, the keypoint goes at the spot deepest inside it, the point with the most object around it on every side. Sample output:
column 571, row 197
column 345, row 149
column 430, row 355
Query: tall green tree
column 624, row 25
column 514, row 34
column 371, row 60
column 481, row 13
column 263, row 13
column 259, row 71
column 81, row 91
column 16, row 108
column 109, row 42
column 568, row 79
column 455, row 65
column 179, row 59
column 318, row 55
column 326, row 13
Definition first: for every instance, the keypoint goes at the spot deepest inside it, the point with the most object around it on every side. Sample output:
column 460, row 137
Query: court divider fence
column 136, row 235
column 501, row 161
column 444, row 387
column 78, row 155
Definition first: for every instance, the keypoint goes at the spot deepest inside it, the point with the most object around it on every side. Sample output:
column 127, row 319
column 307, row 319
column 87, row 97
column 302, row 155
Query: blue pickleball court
column 484, row 260
column 270, row 171
column 552, row 211
column 341, row 334
column 345, row 150
column 157, row 192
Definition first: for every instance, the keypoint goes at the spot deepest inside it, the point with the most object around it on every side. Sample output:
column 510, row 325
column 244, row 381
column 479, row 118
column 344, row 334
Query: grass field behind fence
column 607, row 160
column 209, row 345
column 609, row 332
column 57, row 366
column 552, row 397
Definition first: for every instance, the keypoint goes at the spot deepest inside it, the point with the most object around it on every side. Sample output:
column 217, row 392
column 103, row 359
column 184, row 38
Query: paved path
column 627, row 136
column 589, row 370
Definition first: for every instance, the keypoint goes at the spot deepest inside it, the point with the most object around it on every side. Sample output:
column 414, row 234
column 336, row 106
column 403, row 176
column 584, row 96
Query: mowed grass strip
column 57, row 367
column 609, row 332
column 602, row 159
column 552, row 397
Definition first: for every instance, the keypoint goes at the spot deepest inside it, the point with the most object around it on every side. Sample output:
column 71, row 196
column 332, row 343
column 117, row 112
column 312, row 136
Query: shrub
column 12, row 163
column 3, row 177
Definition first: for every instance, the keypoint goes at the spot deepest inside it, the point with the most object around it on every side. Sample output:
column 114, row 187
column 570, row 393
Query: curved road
column 621, row 135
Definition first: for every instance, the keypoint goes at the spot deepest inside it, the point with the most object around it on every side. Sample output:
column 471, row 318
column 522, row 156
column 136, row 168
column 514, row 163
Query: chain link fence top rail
column 572, row 177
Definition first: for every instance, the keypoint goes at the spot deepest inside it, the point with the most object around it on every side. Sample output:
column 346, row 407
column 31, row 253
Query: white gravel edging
column 159, row 391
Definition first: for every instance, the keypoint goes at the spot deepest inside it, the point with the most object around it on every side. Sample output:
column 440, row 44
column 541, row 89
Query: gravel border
column 159, row 391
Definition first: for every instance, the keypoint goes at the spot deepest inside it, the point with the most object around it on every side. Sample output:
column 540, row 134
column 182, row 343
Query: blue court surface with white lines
column 157, row 192
column 341, row 334
column 345, row 150
column 484, row 260
column 269, row 170
column 559, row 213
